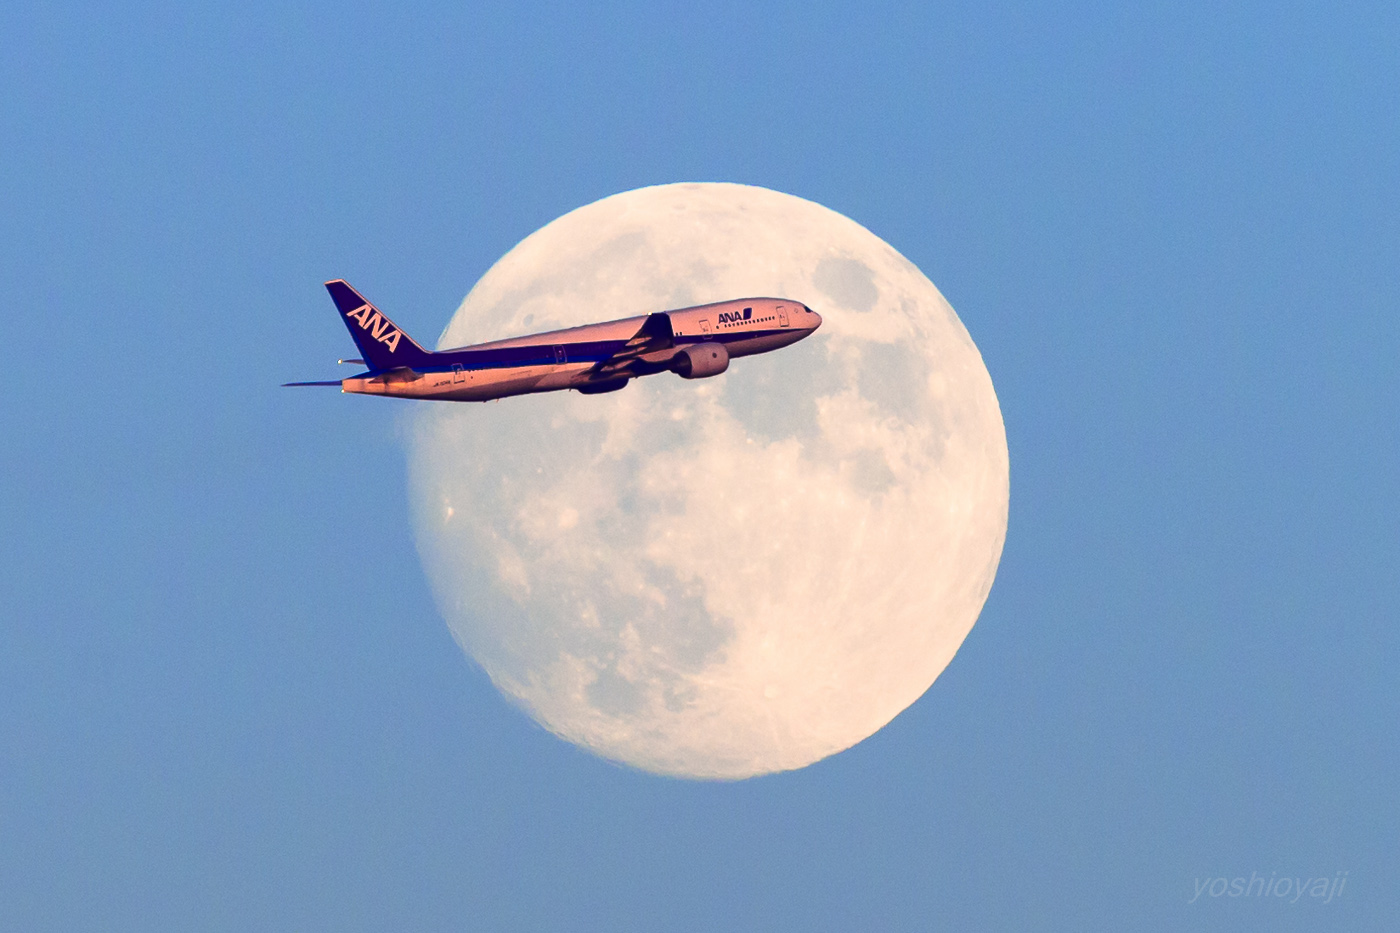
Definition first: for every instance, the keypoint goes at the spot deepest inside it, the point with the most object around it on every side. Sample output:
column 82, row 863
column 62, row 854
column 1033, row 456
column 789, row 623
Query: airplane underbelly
column 762, row 344
column 481, row 385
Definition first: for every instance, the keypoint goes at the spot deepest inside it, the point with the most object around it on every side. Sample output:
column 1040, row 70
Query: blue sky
column 229, row 701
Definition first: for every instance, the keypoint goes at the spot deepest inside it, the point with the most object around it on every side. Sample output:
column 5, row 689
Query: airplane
column 694, row 343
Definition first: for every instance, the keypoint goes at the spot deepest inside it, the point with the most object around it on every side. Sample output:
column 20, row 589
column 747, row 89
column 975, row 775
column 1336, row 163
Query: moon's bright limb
column 731, row 577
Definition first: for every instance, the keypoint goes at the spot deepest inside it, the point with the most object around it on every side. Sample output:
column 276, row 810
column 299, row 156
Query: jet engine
column 701, row 361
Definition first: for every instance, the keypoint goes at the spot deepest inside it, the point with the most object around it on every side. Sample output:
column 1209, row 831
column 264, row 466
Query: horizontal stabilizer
column 328, row 383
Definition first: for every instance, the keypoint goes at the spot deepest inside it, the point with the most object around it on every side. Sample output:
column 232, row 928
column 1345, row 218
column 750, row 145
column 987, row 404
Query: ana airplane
column 692, row 342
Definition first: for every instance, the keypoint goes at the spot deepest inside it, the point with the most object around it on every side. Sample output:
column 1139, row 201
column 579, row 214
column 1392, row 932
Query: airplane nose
column 816, row 318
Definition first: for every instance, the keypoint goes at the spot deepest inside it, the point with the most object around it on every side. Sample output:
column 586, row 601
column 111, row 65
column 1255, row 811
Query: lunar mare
column 723, row 578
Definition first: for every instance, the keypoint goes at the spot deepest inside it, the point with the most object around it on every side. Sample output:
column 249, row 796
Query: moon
column 729, row 577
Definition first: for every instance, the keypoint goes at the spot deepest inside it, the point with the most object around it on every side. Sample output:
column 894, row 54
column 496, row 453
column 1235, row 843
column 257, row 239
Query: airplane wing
column 655, row 336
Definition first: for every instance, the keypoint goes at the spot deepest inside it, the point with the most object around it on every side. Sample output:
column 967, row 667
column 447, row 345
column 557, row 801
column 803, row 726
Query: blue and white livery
column 692, row 342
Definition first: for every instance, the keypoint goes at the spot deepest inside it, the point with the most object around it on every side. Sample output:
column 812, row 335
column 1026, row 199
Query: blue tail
column 382, row 343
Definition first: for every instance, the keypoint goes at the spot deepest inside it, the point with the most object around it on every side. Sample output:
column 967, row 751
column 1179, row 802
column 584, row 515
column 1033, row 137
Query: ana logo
column 378, row 326
column 734, row 317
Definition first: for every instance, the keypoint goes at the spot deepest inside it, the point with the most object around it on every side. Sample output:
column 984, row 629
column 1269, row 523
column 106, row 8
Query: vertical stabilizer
column 381, row 342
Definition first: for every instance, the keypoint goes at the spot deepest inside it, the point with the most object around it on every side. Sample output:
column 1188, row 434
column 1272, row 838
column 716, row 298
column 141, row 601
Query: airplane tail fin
column 381, row 342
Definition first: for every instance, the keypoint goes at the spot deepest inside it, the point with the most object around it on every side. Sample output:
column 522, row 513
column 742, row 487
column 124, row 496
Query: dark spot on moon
column 870, row 473
column 775, row 397
column 681, row 638
column 847, row 282
column 614, row 694
column 895, row 377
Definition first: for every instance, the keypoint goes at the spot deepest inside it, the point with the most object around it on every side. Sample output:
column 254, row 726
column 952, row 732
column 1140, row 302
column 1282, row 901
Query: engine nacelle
column 701, row 361
column 598, row 388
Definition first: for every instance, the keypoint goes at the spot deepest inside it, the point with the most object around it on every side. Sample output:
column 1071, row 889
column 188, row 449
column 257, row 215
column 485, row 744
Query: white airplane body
column 695, row 343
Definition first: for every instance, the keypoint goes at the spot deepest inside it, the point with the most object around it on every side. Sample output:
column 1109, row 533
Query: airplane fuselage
column 594, row 358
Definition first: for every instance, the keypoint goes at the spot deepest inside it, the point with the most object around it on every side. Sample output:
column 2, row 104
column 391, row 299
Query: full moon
column 733, row 576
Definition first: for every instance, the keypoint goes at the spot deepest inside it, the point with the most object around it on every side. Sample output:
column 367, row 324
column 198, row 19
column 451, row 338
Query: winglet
column 381, row 342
